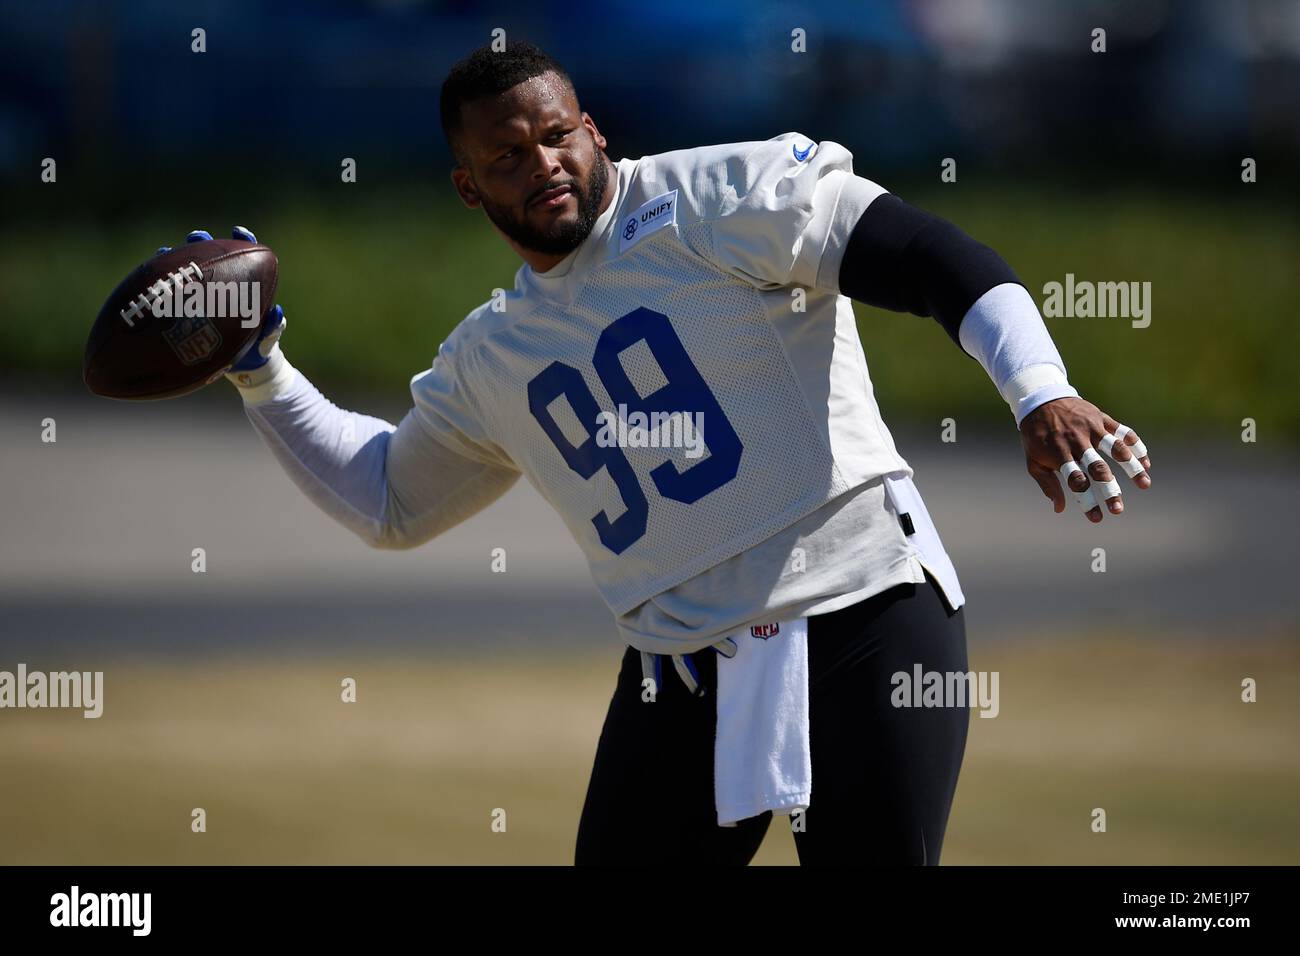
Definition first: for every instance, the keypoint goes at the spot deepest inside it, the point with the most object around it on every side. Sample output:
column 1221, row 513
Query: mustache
column 572, row 184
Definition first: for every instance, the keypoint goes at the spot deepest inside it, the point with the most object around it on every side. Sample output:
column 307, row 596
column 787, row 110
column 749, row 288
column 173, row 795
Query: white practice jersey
column 707, row 291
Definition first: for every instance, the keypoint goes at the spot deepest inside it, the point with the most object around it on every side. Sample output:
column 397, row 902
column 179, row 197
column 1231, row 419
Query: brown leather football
column 180, row 320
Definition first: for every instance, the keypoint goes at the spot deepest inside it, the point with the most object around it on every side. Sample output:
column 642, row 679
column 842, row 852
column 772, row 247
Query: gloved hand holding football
column 186, row 317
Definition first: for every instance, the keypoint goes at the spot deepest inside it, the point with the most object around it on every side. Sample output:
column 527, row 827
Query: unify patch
column 646, row 219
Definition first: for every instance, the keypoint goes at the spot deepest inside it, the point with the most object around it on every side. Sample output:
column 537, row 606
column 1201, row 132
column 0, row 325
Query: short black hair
column 487, row 72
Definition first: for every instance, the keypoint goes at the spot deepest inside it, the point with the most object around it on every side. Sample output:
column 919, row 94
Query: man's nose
column 545, row 163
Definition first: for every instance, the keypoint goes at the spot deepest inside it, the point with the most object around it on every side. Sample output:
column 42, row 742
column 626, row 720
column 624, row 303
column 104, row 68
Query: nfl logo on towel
column 764, row 631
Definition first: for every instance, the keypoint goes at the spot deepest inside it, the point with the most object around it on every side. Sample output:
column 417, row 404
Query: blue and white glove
column 273, row 325
column 652, row 666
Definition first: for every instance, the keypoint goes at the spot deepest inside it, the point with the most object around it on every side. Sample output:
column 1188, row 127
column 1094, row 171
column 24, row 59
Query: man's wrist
column 268, row 381
column 1034, row 386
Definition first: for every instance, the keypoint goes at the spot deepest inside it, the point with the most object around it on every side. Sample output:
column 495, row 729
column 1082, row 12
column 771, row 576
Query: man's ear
column 464, row 183
column 590, row 123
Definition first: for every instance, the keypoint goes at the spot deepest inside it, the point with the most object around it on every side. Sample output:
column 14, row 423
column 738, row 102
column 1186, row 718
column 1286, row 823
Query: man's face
column 535, row 163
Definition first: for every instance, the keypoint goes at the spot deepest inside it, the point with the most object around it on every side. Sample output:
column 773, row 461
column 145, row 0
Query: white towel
column 762, row 755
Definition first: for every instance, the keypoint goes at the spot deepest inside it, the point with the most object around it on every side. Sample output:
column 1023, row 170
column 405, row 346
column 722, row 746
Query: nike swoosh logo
column 801, row 155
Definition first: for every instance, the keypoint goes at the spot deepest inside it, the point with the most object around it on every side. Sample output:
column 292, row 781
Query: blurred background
column 481, row 690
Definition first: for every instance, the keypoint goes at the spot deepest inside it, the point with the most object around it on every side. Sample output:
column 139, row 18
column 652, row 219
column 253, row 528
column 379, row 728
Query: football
column 180, row 320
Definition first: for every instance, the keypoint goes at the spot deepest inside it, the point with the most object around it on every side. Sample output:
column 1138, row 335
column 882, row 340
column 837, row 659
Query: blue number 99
column 685, row 392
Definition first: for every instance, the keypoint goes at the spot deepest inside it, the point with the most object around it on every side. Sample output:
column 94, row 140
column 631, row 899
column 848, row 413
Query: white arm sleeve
column 393, row 487
column 1005, row 334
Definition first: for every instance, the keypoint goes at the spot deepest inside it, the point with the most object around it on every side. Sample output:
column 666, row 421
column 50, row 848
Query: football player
column 678, row 372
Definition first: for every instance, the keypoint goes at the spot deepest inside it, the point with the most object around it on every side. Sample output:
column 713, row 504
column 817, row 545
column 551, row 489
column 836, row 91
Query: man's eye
column 559, row 135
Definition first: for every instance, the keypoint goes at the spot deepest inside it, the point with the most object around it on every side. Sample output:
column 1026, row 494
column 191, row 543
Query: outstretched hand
column 1061, row 439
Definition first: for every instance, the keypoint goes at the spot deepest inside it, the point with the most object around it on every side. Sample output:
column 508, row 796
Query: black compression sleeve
column 906, row 260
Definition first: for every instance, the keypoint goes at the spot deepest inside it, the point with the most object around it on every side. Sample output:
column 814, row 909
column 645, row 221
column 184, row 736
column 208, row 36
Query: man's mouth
column 551, row 198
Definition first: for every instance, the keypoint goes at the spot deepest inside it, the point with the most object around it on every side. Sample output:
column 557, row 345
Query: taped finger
column 1102, row 490
column 1138, row 449
column 1130, row 466
column 1085, row 498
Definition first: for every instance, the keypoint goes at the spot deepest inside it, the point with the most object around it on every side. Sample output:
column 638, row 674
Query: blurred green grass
column 1153, row 731
column 374, row 279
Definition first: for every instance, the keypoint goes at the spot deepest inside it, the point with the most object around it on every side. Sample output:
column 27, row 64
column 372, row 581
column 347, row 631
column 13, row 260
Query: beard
column 562, row 237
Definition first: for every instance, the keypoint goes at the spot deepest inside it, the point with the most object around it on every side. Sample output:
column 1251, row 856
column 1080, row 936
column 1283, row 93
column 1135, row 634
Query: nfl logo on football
column 192, row 338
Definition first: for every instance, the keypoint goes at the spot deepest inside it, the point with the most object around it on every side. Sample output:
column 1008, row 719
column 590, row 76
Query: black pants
column 883, row 776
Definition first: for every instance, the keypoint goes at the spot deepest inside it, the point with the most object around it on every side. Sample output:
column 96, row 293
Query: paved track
column 98, row 530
